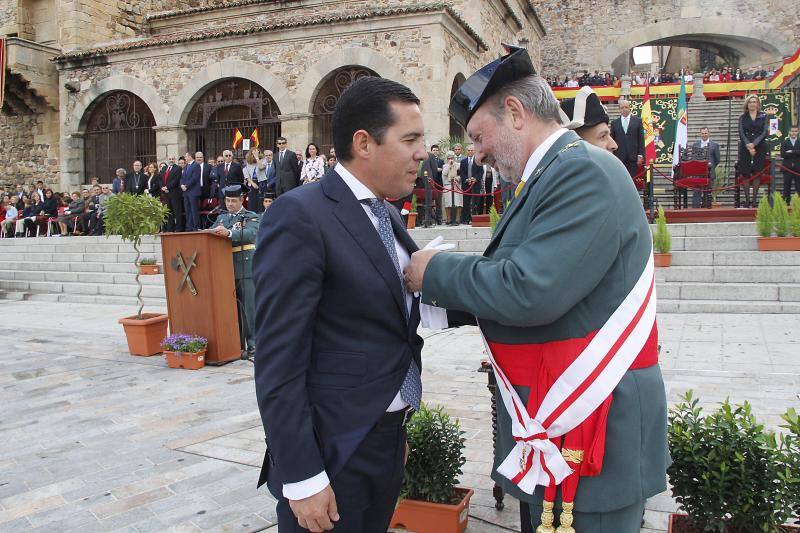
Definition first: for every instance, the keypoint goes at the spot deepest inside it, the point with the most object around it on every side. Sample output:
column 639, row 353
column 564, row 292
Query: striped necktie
column 519, row 188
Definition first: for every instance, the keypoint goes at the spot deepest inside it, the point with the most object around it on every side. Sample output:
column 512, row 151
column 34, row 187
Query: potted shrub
column 132, row 216
column 185, row 351
column 776, row 219
column 411, row 221
column 494, row 218
column 716, row 184
column 662, row 241
column 430, row 501
column 148, row 266
column 794, row 216
column 791, row 448
column 728, row 473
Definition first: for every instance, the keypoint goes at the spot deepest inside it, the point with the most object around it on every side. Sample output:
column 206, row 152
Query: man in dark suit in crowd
column 287, row 168
column 628, row 133
column 271, row 172
column 229, row 172
column 204, row 174
column 337, row 353
column 713, row 160
column 790, row 153
column 433, row 166
column 136, row 181
column 471, row 174
column 171, row 187
column 190, row 185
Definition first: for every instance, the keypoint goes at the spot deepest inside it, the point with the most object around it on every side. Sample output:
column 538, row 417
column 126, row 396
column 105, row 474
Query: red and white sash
column 583, row 386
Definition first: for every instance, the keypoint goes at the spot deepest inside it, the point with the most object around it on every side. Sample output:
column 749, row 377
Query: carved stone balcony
column 31, row 62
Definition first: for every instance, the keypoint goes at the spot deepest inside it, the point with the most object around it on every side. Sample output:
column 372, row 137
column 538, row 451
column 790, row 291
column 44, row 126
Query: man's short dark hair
column 181, row 158
column 365, row 106
column 434, row 146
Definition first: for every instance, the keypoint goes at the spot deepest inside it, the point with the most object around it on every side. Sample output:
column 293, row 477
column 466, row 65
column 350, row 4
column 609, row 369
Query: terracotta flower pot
column 411, row 221
column 481, row 221
column 145, row 335
column 679, row 523
column 426, row 517
column 716, row 205
column 187, row 360
column 148, row 270
column 779, row 244
column 662, row 260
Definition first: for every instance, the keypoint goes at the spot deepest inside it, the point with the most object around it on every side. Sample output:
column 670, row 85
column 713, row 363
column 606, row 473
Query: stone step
column 154, row 291
column 150, row 303
column 779, row 292
column 81, row 277
column 730, row 274
column 56, row 246
column 64, row 266
column 36, row 256
column 714, row 244
column 735, row 258
column 726, row 306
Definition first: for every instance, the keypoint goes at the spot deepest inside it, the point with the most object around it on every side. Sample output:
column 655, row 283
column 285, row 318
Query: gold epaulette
column 573, row 144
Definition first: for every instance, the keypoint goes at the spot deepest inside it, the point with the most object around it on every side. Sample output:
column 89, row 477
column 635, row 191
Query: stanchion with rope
column 651, row 192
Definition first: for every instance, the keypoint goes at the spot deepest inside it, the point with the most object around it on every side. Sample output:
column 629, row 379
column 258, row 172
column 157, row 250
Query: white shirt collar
column 538, row 154
column 360, row 190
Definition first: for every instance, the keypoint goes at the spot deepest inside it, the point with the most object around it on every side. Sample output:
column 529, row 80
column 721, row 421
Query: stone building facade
column 185, row 77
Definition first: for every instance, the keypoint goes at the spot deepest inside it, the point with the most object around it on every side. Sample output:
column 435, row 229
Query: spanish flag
column 237, row 138
column 649, row 132
column 254, row 142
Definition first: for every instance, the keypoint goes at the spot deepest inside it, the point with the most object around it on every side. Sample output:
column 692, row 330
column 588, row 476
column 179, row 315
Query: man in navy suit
column 190, row 185
column 471, row 174
column 171, row 187
column 229, row 172
column 337, row 364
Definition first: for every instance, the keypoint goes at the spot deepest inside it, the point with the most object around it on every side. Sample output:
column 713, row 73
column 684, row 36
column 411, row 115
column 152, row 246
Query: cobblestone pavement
column 93, row 439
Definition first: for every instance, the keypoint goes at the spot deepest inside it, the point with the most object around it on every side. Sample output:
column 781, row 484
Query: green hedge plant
column 728, row 473
column 764, row 218
column 132, row 216
column 494, row 218
column 662, row 240
column 780, row 215
column 435, row 459
column 794, row 218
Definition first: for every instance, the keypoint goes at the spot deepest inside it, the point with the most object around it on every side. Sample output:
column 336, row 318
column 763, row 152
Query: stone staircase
column 716, row 268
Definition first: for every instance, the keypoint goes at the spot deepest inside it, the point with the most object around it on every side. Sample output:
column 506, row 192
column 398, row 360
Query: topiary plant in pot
column 728, row 473
column 133, row 216
column 662, row 241
column 778, row 220
column 431, row 502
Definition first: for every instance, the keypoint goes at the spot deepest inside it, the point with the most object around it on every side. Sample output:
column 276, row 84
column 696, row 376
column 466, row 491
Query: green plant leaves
column 132, row 216
column 662, row 240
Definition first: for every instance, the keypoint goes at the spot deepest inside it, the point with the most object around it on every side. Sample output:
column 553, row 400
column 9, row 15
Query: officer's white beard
column 508, row 156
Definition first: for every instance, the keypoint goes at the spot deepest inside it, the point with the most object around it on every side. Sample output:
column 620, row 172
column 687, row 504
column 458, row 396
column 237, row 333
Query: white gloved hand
column 434, row 317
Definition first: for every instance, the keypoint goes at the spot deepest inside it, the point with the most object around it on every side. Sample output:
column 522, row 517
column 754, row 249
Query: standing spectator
column 314, row 167
column 118, row 184
column 452, row 201
column 190, row 185
column 330, row 163
column 287, row 168
column 105, row 196
column 19, row 192
column 152, row 185
column 753, row 129
column 713, row 160
column 229, row 173
column 40, row 189
column 628, row 134
column 254, row 171
column 488, row 189
column 204, row 174
column 136, row 181
column 458, row 152
column 10, row 217
column 173, row 193
column 91, row 205
column 471, row 173
column 737, row 75
column 271, row 173
column 790, row 153
column 435, row 170
column 75, row 209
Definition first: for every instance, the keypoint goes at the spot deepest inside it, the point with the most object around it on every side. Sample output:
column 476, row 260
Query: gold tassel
column 547, row 518
column 566, row 518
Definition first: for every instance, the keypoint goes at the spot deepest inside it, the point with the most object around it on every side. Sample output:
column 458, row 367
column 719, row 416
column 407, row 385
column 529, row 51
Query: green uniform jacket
column 563, row 257
column 246, row 234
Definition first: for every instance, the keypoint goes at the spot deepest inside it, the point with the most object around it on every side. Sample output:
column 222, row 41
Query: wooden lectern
column 201, row 293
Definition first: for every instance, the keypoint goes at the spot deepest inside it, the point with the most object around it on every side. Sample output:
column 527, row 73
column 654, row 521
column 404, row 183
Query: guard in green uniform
column 241, row 227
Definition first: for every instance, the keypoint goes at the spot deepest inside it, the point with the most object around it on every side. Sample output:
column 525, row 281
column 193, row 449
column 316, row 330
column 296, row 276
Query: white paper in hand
column 434, row 317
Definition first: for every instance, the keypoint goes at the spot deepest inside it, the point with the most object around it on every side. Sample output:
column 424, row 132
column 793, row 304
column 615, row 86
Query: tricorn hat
column 585, row 110
column 233, row 191
column 515, row 65
column 268, row 195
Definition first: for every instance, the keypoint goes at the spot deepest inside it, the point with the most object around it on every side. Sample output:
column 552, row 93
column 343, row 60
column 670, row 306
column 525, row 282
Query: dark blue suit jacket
column 191, row 178
column 333, row 343
column 272, row 175
column 477, row 173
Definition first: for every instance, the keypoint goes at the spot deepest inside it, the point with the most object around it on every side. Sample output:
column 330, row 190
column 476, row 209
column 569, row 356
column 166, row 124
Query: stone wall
column 8, row 16
column 22, row 158
column 584, row 36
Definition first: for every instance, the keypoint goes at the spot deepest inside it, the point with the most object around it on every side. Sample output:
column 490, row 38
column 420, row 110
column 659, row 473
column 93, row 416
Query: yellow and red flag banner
column 2, row 70
column 237, row 138
column 649, row 133
column 254, row 141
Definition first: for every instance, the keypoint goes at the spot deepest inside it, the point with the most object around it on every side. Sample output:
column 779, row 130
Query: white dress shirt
column 309, row 487
column 625, row 122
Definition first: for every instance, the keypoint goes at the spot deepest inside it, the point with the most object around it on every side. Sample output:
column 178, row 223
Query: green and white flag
column 681, row 126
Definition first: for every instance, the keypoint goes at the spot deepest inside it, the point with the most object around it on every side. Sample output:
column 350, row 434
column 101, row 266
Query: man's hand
column 183, row 188
column 316, row 513
column 221, row 231
column 639, row 160
column 164, row 189
column 415, row 270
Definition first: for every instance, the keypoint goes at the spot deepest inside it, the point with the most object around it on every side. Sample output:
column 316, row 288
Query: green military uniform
column 243, row 228
column 564, row 256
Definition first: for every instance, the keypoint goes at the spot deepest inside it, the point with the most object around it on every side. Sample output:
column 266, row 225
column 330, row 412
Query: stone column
column 297, row 128
column 170, row 140
column 72, row 167
column 697, row 95
column 625, row 82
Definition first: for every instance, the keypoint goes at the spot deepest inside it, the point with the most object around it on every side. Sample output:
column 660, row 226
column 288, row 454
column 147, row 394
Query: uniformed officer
column 241, row 227
column 269, row 197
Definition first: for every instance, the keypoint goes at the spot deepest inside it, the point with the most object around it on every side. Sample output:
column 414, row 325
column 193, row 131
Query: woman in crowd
column 452, row 201
column 9, row 218
column 50, row 207
column 153, row 183
column 738, row 75
column 30, row 215
column 27, row 211
column 713, row 75
column 75, row 209
column 314, row 167
column 255, row 171
column 753, row 129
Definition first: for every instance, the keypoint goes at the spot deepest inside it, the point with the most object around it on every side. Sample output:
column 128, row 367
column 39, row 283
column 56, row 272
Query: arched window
column 327, row 98
column 456, row 130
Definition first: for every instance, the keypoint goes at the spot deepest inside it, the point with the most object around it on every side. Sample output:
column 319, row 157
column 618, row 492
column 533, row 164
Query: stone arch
column 742, row 36
column 206, row 77
column 121, row 82
column 354, row 56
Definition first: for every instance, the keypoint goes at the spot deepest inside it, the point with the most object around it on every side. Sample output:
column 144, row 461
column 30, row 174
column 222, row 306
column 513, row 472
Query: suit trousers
column 487, row 189
column 625, row 520
column 246, row 307
column 788, row 178
column 368, row 486
column 175, row 220
column 632, row 167
column 192, row 208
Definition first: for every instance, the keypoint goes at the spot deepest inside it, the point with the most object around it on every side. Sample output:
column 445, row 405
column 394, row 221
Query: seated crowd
column 604, row 79
column 190, row 187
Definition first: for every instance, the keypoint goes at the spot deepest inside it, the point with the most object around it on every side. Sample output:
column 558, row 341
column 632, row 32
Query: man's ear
column 516, row 111
column 362, row 142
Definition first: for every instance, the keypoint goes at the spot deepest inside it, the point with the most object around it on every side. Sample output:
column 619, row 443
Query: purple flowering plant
column 182, row 342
